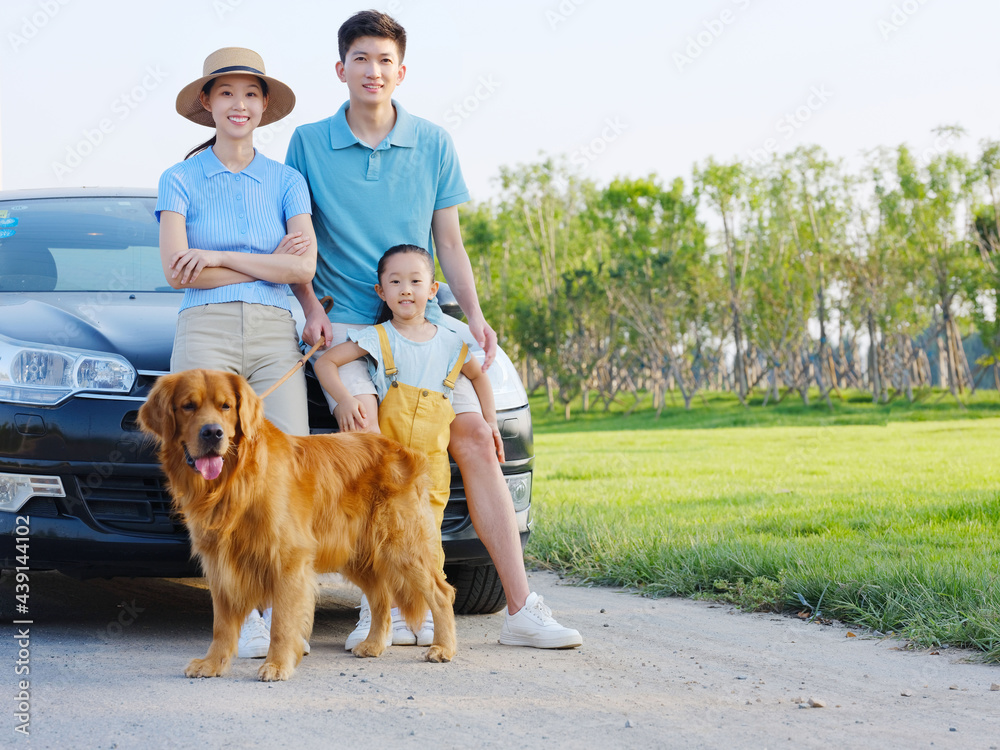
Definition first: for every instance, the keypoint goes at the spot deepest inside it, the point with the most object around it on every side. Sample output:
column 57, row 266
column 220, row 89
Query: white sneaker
column 401, row 633
column 425, row 636
column 267, row 621
column 255, row 637
column 533, row 625
column 364, row 625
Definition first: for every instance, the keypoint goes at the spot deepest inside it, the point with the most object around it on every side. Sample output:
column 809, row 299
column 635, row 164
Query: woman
column 235, row 232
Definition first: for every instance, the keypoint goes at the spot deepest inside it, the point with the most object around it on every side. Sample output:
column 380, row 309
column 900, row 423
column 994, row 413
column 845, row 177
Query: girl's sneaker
column 364, row 625
column 401, row 633
column 267, row 621
column 255, row 637
column 425, row 636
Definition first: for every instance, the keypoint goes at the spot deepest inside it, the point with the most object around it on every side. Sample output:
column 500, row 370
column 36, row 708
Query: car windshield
column 80, row 244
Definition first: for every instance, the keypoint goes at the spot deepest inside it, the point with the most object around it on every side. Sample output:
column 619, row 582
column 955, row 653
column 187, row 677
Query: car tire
column 477, row 589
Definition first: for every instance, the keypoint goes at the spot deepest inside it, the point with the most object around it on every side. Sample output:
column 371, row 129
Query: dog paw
column 366, row 649
column 204, row 668
column 271, row 672
column 438, row 654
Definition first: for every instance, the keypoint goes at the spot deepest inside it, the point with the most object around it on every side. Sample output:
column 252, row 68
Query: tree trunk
column 907, row 383
column 739, row 364
column 962, row 361
column 943, row 379
column 874, row 380
column 821, row 311
column 954, row 383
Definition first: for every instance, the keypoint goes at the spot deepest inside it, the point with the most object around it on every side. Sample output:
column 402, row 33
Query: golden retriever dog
column 267, row 511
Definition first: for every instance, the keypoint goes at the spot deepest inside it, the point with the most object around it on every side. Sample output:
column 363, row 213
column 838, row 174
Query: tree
column 659, row 277
column 934, row 210
column 983, row 289
column 726, row 187
column 544, row 208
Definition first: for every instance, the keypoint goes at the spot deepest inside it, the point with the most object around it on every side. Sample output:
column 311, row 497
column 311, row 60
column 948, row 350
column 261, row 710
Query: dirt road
column 107, row 659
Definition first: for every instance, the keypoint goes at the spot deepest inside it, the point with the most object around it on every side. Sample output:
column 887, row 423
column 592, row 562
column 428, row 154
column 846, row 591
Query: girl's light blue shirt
column 245, row 212
column 422, row 364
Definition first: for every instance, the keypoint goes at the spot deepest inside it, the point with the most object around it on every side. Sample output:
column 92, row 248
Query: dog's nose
column 211, row 433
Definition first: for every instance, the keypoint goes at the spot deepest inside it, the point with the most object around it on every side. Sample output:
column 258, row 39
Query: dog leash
column 327, row 303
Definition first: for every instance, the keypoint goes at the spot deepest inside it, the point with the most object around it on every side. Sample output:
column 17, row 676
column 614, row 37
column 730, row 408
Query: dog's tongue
column 209, row 467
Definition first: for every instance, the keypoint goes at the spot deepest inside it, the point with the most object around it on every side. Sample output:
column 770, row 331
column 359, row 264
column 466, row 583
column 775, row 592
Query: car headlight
column 520, row 490
column 508, row 391
column 46, row 375
column 17, row 489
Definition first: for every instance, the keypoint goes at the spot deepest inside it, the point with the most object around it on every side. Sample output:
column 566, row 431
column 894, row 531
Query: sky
column 627, row 88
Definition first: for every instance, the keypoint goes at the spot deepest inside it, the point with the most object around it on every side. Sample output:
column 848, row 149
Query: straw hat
column 230, row 61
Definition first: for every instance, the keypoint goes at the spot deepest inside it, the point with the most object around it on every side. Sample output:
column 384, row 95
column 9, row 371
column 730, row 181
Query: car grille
column 40, row 507
column 130, row 503
column 142, row 504
column 456, row 512
column 456, row 515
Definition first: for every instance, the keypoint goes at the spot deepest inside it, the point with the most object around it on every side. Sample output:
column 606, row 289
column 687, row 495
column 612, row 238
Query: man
column 381, row 177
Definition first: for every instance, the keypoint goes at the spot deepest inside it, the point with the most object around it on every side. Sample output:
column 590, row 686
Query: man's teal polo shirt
column 365, row 200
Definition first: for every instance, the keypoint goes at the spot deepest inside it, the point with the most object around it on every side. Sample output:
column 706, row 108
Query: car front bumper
column 116, row 517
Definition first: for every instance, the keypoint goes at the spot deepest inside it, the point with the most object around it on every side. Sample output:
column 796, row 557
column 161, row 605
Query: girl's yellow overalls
column 419, row 418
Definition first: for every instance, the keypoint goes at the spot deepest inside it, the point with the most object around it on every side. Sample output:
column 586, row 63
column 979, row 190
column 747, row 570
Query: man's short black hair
column 370, row 23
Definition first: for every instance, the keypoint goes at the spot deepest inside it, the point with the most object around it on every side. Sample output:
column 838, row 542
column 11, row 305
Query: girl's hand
column 294, row 243
column 497, row 440
column 351, row 416
column 189, row 263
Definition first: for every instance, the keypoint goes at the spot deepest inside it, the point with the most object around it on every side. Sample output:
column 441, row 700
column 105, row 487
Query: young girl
column 416, row 364
column 235, row 232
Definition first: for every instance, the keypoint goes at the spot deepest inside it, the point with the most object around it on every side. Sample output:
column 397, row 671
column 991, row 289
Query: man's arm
column 317, row 322
column 484, row 390
column 457, row 269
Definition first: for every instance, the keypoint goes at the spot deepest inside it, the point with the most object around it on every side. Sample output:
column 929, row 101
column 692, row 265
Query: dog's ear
column 251, row 408
column 156, row 416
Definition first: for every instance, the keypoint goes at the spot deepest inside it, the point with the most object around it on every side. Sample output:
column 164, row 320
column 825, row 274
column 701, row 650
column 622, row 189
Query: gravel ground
column 107, row 660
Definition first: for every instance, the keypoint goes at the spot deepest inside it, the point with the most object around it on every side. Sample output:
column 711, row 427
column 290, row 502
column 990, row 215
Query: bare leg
column 370, row 402
column 489, row 501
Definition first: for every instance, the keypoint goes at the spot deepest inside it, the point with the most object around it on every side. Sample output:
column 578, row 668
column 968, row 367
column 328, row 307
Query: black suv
column 86, row 326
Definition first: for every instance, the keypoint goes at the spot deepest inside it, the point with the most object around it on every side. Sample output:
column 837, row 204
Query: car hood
column 139, row 326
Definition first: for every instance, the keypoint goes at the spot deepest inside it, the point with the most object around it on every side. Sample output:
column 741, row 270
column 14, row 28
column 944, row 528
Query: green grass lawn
column 882, row 516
